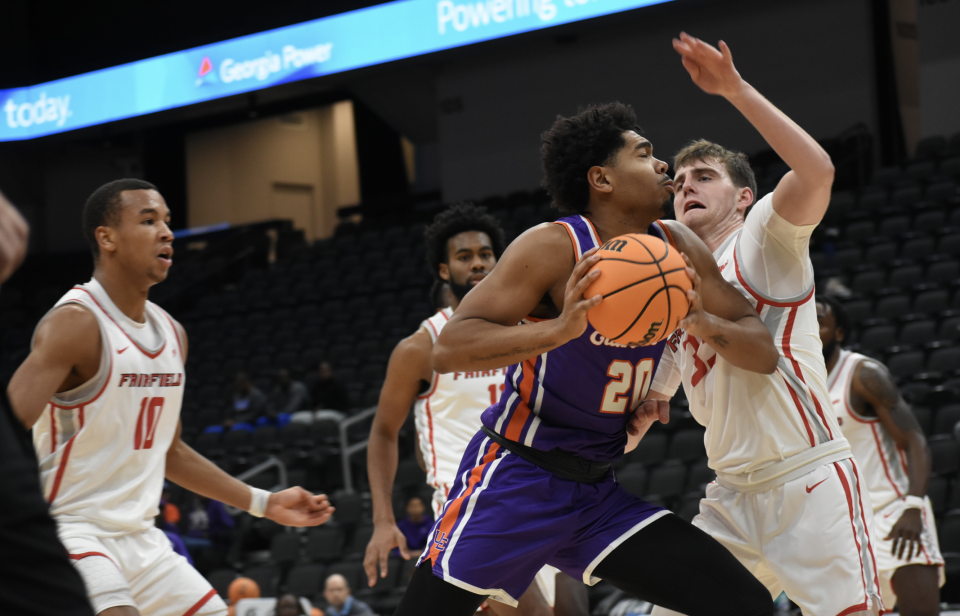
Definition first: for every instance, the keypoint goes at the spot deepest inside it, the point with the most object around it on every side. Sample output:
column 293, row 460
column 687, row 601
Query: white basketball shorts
column 887, row 563
column 140, row 569
column 810, row 537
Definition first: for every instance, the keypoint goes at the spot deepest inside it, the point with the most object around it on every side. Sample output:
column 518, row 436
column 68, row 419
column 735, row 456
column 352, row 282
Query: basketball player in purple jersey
column 535, row 485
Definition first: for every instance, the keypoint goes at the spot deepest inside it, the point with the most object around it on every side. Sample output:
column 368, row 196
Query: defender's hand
column 711, row 69
column 648, row 412
column 698, row 322
column 906, row 534
column 14, row 232
column 297, row 507
column 573, row 319
column 385, row 538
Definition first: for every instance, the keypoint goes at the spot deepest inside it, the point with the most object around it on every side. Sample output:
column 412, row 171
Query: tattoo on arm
column 879, row 385
column 512, row 352
column 719, row 341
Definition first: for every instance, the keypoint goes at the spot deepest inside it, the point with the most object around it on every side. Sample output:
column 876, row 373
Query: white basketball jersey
column 756, row 420
column 448, row 415
column 883, row 464
column 102, row 447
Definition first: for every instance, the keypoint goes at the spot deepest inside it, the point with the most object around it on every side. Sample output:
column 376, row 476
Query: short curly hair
column 457, row 219
column 572, row 145
column 102, row 208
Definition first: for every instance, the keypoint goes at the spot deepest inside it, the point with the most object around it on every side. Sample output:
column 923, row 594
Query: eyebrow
column 484, row 247
column 679, row 176
column 643, row 144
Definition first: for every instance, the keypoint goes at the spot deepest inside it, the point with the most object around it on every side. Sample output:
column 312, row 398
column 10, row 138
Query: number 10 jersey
column 102, row 447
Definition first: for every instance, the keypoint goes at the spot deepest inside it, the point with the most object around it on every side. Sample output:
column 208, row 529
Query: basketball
column 644, row 288
column 243, row 588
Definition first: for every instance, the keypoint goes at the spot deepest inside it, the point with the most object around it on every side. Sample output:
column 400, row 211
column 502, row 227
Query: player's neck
column 833, row 359
column 128, row 297
column 715, row 235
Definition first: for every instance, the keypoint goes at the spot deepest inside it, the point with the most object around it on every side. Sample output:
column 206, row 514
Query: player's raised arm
column 802, row 196
column 14, row 232
column 719, row 315
column 409, row 365
column 482, row 335
column 65, row 354
column 873, row 383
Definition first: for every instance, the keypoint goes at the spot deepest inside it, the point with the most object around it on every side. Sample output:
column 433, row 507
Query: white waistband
column 787, row 470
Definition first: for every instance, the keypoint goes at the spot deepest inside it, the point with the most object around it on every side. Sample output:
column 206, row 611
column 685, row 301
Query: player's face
column 142, row 242
column 637, row 177
column 705, row 194
column 829, row 335
column 470, row 258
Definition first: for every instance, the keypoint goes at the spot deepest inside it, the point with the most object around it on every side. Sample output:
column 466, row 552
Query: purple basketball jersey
column 579, row 396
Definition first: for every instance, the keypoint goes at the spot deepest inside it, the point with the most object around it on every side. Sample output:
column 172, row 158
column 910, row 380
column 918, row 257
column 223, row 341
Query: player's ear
column 105, row 239
column 445, row 272
column 598, row 179
column 745, row 198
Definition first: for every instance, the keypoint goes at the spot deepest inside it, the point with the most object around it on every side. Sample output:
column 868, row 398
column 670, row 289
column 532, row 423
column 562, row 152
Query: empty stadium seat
column 868, row 282
column 878, row 337
column 633, row 478
column 924, row 418
column 930, row 148
column 858, row 310
column 905, row 364
column 409, row 474
column 947, row 418
column 942, row 191
column 906, row 196
column 946, row 455
column 267, row 578
column 905, row 277
column 352, row 571
column 950, row 328
column 285, row 548
column 930, row 302
column 700, row 475
column 667, row 481
column 930, row 222
column 324, row 543
column 918, row 333
column 892, row 307
column 651, row 450
column 918, row 248
column 859, row 231
column 220, row 579
column 949, row 534
column 687, row 445
column 892, row 226
column 306, row 580
column 689, row 507
column 937, row 493
column 945, row 360
column 881, row 254
column 845, row 258
column 943, row 271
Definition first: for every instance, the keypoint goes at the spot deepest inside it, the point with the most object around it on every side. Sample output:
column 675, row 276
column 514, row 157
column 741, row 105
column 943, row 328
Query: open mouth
column 166, row 255
column 693, row 205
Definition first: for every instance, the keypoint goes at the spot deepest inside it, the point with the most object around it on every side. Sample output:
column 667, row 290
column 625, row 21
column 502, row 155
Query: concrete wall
column 302, row 166
column 813, row 58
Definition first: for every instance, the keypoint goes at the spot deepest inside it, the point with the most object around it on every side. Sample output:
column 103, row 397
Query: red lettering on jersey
column 701, row 367
column 674, row 340
column 147, row 421
column 456, row 375
column 485, row 373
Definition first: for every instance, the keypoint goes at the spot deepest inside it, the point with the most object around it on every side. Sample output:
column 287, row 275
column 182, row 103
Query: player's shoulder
column 416, row 345
column 67, row 328
column 547, row 246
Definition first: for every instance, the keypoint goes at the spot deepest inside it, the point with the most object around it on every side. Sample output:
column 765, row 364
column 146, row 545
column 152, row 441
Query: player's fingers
column 663, row 410
column 369, row 565
column 725, row 51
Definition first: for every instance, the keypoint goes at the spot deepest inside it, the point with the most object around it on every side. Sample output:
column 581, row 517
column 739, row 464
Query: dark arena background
column 299, row 200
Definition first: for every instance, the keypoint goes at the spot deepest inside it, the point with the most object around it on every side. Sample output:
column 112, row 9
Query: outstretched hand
column 385, row 538
column 710, row 68
column 297, row 507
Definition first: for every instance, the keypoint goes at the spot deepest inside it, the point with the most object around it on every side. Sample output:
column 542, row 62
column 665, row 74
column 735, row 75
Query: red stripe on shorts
column 199, row 604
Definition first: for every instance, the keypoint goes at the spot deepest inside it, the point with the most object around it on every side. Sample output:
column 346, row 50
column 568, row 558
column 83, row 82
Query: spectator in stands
column 289, row 605
column 288, row 396
column 416, row 526
column 342, row 603
column 208, row 525
column 328, row 392
column 172, row 533
column 249, row 402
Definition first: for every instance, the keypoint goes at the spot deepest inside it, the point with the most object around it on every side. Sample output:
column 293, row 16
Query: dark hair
column 572, row 145
column 736, row 163
column 103, row 208
column 289, row 594
column 457, row 219
column 840, row 316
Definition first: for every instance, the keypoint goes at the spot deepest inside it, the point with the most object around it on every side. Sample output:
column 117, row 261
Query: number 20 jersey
column 102, row 447
column 578, row 397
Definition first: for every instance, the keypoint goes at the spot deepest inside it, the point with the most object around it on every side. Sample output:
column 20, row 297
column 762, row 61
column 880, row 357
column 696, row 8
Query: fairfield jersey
column 883, row 465
column 755, row 420
column 102, row 447
column 448, row 415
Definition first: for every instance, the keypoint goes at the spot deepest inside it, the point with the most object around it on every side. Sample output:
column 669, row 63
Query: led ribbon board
column 321, row 47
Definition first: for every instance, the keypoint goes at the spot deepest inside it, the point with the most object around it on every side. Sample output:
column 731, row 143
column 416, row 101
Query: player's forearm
column 476, row 344
column 746, row 343
column 188, row 469
column 794, row 145
column 382, row 456
column 918, row 464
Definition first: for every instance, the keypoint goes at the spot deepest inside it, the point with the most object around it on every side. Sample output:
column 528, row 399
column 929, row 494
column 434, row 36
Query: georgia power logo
column 270, row 63
column 206, row 74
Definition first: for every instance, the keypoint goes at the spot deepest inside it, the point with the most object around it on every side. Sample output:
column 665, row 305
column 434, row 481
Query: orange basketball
column 243, row 588
column 644, row 288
